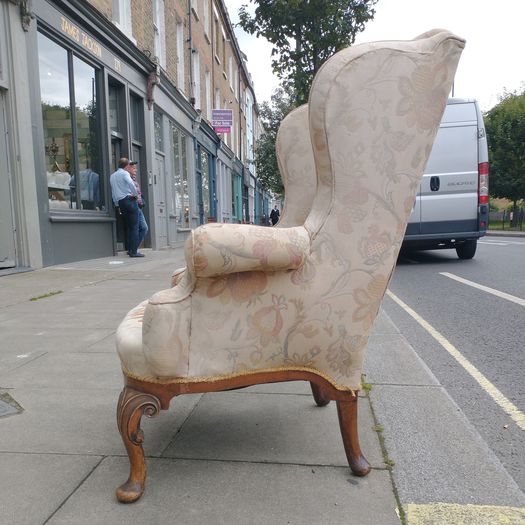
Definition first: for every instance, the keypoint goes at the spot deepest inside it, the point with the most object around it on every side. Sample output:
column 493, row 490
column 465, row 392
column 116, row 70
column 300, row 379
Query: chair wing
column 296, row 164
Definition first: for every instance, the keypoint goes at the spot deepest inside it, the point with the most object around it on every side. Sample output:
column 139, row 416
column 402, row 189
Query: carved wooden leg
column 131, row 406
column 347, row 412
column 318, row 396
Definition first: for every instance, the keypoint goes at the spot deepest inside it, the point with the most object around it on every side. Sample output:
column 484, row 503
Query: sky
column 490, row 64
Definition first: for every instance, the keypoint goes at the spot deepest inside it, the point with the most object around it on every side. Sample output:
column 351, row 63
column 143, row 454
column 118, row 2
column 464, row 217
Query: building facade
column 103, row 79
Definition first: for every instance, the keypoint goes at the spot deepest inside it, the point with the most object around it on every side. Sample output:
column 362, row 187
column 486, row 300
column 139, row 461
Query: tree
column 305, row 33
column 265, row 157
column 505, row 126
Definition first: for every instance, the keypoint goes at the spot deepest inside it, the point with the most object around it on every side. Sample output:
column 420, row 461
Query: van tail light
column 483, row 174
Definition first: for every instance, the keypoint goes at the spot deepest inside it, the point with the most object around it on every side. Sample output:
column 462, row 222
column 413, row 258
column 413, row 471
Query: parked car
column 452, row 206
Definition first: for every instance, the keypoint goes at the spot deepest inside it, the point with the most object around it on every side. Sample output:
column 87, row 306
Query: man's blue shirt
column 121, row 185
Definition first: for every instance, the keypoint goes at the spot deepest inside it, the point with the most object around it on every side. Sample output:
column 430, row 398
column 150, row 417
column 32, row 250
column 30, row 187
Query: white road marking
column 505, row 404
column 487, row 289
column 500, row 242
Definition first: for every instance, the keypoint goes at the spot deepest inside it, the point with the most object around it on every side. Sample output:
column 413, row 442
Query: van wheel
column 467, row 249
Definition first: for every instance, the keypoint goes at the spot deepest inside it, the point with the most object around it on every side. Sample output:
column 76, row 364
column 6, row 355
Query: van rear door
column 449, row 188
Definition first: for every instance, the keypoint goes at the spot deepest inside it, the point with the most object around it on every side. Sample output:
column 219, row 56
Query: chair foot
column 132, row 405
column 318, row 396
column 347, row 412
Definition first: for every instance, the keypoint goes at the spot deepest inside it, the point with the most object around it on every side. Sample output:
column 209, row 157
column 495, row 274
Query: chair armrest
column 218, row 249
column 177, row 275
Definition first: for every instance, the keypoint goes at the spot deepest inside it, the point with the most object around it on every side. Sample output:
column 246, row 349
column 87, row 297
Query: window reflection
column 88, row 147
column 67, row 162
column 159, row 138
column 180, row 193
column 56, row 117
column 205, row 167
column 113, row 103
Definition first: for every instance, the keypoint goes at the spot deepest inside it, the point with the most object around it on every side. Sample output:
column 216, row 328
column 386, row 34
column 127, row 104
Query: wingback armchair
column 257, row 304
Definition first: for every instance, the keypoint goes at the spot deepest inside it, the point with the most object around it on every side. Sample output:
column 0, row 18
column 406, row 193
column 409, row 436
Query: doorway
column 7, row 223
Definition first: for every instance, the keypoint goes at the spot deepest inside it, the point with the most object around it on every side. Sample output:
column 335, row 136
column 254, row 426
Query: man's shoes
column 138, row 254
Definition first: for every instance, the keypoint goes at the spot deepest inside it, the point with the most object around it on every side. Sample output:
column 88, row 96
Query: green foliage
column 505, row 125
column 305, row 33
column 265, row 158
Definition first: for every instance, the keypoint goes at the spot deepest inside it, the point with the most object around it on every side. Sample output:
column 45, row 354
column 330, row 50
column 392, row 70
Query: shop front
column 90, row 110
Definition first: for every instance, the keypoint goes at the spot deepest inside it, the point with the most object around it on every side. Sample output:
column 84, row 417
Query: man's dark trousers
column 130, row 212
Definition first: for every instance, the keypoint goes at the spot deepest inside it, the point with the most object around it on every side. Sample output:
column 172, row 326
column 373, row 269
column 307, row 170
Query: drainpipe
column 190, row 48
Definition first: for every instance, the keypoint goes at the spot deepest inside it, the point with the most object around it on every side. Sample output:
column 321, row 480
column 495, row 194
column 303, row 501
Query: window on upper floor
column 230, row 71
column 207, row 88
column 217, row 99
column 217, row 39
column 195, row 8
column 159, row 31
column 122, row 16
column 180, row 56
column 206, row 13
column 196, row 78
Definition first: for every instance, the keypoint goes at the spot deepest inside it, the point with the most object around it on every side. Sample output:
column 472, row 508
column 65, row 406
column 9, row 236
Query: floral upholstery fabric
column 218, row 249
column 374, row 110
column 296, row 165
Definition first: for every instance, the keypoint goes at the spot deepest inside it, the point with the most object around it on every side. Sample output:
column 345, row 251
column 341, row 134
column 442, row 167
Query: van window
column 459, row 113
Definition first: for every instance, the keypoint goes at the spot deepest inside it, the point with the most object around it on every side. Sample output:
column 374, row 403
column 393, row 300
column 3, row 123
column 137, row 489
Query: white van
column 452, row 206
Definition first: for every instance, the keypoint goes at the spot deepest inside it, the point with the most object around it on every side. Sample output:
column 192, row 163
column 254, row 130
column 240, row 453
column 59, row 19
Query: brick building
column 143, row 77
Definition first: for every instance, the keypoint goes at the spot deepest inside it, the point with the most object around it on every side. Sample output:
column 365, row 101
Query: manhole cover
column 8, row 406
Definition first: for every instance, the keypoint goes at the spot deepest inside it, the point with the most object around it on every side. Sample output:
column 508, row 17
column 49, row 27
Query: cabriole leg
column 347, row 412
column 131, row 406
column 318, row 396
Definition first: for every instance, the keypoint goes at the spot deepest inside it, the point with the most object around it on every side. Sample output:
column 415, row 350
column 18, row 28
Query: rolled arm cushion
column 219, row 249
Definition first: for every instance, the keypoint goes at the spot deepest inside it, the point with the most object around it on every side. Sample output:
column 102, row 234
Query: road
column 472, row 338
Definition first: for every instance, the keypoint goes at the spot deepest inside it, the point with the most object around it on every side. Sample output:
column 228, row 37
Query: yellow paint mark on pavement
column 453, row 514
column 497, row 396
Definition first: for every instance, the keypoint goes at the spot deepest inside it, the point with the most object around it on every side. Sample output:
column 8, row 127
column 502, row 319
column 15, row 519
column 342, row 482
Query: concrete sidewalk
column 261, row 455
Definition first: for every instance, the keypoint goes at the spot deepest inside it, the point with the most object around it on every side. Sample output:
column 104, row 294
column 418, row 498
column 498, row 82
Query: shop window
column 205, row 178
column 114, row 111
column 72, row 138
column 117, row 120
column 159, row 132
column 137, row 116
column 179, row 191
column 136, row 111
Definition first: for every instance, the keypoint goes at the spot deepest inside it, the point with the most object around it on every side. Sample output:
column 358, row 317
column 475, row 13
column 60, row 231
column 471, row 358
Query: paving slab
column 33, row 486
column 105, row 345
column 74, row 421
column 218, row 492
column 439, row 456
column 67, row 371
column 20, row 340
column 383, row 325
column 390, row 360
column 272, row 428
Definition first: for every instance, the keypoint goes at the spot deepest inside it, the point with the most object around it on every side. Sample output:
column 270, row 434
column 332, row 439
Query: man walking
column 274, row 215
column 125, row 196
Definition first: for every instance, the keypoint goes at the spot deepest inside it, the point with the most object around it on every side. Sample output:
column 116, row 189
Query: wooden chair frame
column 140, row 398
